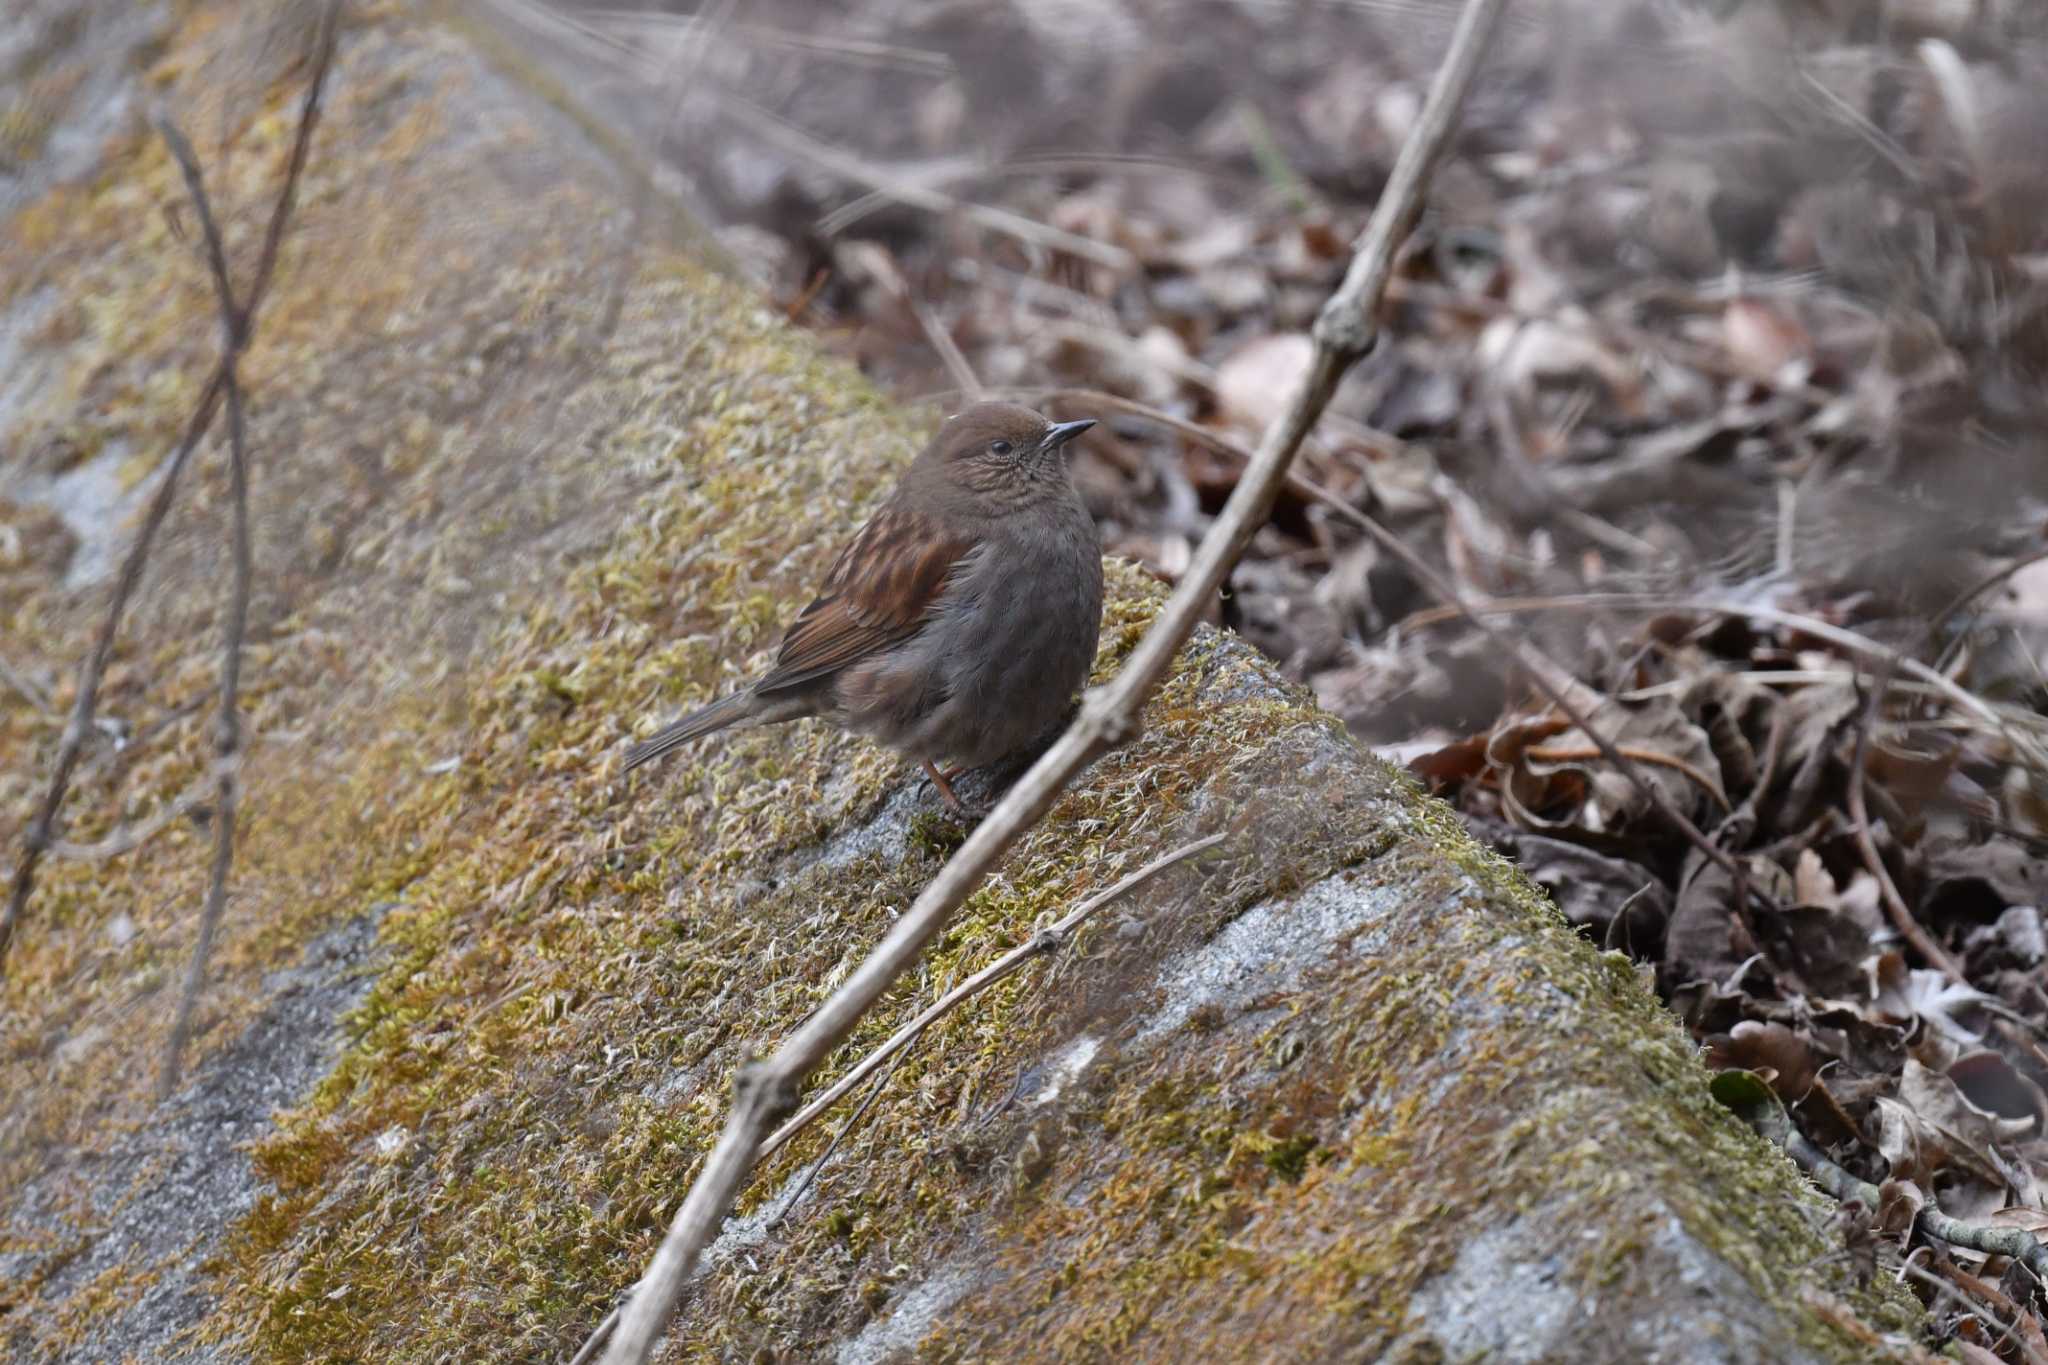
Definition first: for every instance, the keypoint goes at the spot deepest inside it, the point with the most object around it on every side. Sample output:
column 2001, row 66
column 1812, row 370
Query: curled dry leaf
column 1706, row 941
column 1899, row 996
column 1992, row 1084
column 1783, row 1058
column 1898, row 1205
column 1568, row 777
column 1932, row 1130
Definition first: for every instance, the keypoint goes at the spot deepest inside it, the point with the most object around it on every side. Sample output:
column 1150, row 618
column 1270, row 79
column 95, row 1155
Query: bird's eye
column 1000, row 448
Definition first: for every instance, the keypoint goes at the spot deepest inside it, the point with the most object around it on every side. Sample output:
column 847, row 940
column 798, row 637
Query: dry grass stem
column 773, row 128
column 1044, row 941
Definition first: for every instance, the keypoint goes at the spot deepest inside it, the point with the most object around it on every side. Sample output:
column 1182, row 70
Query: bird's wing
column 881, row 588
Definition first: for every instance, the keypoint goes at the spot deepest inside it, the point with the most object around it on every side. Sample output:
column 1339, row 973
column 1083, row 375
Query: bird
column 958, row 622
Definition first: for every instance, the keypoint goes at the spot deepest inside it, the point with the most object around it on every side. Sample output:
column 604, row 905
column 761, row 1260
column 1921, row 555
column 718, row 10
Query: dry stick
column 21, row 683
column 1044, row 941
column 1527, row 656
column 1297, row 484
column 1984, row 585
column 128, row 838
column 2007, row 1331
column 772, row 127
column 1835, row 635
column 79, row 726
column 95, row 667
column 228, row 740
column 789, row 1201
column 1859, row 821
column 1772, row 1123
column 1344, row 331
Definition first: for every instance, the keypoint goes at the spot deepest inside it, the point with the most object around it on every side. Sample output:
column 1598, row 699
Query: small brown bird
column 959, row 622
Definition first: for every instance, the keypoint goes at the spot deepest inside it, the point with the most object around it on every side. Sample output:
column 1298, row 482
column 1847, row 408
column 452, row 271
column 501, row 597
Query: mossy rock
column 1348, row 1088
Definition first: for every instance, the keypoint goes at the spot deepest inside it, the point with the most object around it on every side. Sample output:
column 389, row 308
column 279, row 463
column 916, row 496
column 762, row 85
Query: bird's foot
column 966, row 808
column 944, row 782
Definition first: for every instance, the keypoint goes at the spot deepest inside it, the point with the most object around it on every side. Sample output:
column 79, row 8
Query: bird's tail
column 721, row 713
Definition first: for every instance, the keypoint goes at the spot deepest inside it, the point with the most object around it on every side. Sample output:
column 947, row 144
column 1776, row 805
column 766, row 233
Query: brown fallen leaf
column 1772, row 1051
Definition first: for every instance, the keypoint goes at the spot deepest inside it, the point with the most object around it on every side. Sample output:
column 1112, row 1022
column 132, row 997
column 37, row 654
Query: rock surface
column 1348, row 1089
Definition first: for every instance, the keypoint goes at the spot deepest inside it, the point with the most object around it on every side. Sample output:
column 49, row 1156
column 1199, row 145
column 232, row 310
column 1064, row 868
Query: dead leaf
column 1898, row 1206
column 1772, row 1051
column 1665, row 748
column 1899, row 996
column 1253, row 381
column 1766, row 343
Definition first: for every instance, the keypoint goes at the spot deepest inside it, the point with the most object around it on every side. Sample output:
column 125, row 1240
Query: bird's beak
column 1063, row 432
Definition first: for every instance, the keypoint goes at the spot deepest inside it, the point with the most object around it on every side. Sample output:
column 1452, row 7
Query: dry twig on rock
column 1343, row 333
column 221, row 389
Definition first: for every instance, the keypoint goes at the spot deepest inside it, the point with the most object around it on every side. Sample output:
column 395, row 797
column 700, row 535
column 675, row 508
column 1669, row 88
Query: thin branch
column 1976, row 590
column 948, row 349
column 302, row 143
column 773, row 128
column 893, row 1051
column 1771, row 1121
column 1044, row 941
column 40, row 829
column 1344, row 331
column 128, row 838
column 238, row 319
column 1903, row 920
column 235, row 320
column 1299, row 485
column 1848, row 640
column 789, row 1201
column 23, row 684
column 598, row 1336
column 1538, row 666
column 229, row 747
column 2006, row 1331
column 85, row 706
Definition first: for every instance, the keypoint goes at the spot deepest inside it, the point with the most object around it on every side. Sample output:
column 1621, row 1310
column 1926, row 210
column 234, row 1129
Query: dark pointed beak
column 1063, row 432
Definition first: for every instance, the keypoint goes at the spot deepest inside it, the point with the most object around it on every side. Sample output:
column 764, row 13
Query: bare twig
column 1298, row 484
column 2006, row 1331
column 598, row 1336
column 883, row 264
column 773, row 128
column 128, row 838
column 83, row 708
column 789, row 1201
column 1044, row 941
column 23, row 684
column 895, row 1048
column 228, row 741
column 1848, row 640
column 1539, row 667
column 1771, row 1121
column 1344, row 331
column 1895, row 905
column 1978, row 589
column 229, row 744
column 947, row 348
column 237, row 319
